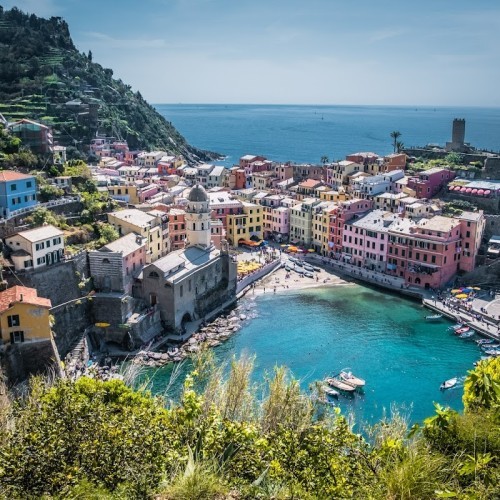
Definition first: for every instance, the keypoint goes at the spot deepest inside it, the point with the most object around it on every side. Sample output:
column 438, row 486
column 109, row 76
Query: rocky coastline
column 210, row 335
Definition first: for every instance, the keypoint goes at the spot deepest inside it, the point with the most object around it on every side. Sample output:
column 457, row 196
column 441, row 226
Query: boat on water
column 433, row 317
column 492, row 352
column 456, row 327
column 340, row 384
column 331, row 392
column 485, row 341
column 485, row 347
column 467, row 335
column 462, row 330
column 349, row 378
column 448, row 384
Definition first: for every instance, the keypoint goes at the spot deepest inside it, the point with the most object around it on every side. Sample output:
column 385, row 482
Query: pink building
column 115, row 266
column 217, row 232
column 428, row 183
column 365, row 239
column 343, row 212
column 276, row 218
column 176, row 228
column 425, row 253
column 223, row 204
column 472, row 229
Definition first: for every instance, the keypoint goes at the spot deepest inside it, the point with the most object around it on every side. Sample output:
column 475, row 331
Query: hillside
column 43, row 77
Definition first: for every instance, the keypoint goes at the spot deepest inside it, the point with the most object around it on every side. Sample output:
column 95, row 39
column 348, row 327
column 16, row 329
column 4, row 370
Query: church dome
column 198, row 193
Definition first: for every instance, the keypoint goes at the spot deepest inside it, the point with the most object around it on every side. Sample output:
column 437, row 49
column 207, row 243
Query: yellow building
column 320, row 226
column 152, row 225
column 24, row 317
column 245, row 225
column 326, row 194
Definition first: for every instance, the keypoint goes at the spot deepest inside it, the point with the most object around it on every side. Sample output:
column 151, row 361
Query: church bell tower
column 198, row 219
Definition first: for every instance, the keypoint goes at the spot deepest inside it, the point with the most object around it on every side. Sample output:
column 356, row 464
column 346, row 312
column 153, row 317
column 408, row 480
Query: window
column 16, row 337
column 13, row 320
column 28, row 184
column 13, row 187
column 48, row 243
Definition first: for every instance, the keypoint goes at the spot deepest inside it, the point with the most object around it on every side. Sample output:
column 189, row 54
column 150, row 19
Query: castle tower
column 457, row 143
column 458, row 131
column 198, row 219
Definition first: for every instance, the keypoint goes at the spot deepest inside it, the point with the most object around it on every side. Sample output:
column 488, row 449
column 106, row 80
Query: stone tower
column 198, row 219
column 457, row 136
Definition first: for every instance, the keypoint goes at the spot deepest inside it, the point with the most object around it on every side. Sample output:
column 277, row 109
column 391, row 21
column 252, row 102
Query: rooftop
column 10, row 175
column 472, row 216
column 376, row 220
column 21, row 294
column 41, row 233
column 134, row 216
column 439, row 223
column 126, row 244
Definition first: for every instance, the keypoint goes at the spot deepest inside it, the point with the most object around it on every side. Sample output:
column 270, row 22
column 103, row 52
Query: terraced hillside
column 44, row 77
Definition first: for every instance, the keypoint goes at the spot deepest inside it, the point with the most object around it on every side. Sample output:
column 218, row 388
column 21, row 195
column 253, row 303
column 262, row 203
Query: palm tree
column 396, row 134
column 324, row 160
column 399, row 146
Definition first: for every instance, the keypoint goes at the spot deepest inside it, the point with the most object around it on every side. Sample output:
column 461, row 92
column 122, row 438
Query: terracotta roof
column 21, row 294
column 309, row 183
column 10, row 175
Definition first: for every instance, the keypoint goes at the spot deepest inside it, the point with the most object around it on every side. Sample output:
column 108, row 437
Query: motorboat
column 448, row 384
column 464, row 329
column 433, row 317
column 350, row 379
column 467, row 335
column 340, row 384
column 492, row 352
column 485, row 341
column 330, row 392
column 456, row 327
column 485, row 347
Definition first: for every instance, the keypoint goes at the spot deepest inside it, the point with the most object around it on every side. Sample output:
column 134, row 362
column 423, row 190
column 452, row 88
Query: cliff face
column 44, row 77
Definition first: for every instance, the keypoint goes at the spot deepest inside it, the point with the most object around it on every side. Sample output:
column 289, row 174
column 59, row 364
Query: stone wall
column 29, row 358
column 492, row 226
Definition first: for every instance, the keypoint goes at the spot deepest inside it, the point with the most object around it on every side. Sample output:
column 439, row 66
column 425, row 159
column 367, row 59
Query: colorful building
column 428, row 183
column 472, row 230
column 17, row 191
column 24, row 317
column 36, row 248
column 246, row 225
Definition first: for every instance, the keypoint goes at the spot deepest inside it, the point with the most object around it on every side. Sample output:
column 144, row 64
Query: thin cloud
column 380, row 35
column 127, row 43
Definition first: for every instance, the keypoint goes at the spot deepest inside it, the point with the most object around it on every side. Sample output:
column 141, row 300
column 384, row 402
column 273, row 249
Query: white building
column 36, row 248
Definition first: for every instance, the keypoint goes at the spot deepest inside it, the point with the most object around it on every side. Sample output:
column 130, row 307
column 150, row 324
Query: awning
column 487, row 192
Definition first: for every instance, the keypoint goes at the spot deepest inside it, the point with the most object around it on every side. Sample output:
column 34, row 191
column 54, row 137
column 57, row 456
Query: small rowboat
column 350, row 379
column 456, row 327
column 339, row 384
column 466, row 335
column 464, row 329
column 485, row 341
column 433, row 317
column 331, row 392
column 448, row 384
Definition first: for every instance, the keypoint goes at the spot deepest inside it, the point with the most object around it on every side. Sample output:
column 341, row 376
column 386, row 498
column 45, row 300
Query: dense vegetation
column 44, row 77
column 94, row 439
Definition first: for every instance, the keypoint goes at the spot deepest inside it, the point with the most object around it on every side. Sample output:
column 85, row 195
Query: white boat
column 485, row 341
column 340, row 384
column 330, row 391
column 433, row 317
column 350, row 379
column 448, row 384
column 466, row 335
column 307, row 274
column 309, row 268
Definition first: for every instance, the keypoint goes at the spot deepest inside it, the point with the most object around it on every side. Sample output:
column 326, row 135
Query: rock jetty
column 211, row 335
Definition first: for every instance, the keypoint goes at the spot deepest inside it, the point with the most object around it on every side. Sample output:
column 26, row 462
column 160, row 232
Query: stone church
column 190, row 283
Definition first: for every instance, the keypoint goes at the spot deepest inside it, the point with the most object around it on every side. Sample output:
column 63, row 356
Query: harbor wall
column 257, row 275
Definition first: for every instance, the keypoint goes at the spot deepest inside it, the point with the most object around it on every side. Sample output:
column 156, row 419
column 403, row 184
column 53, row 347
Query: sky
column 394, row 52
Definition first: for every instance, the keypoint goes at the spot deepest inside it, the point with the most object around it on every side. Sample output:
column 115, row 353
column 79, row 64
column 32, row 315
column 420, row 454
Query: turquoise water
column 306, row 133
column 382, row 337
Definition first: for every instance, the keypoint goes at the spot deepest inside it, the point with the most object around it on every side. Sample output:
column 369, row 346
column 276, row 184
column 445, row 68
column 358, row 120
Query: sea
column 380, row 336
column 304, row 134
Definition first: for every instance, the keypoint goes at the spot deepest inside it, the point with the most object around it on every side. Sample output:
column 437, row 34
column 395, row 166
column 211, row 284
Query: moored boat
column 485, row 341
column 350, row 379
column 340, row 384
column 433, row 317
column 464, row 329
column 331, row 392
column 467, row 335
column 309, row 268
column 448, row 384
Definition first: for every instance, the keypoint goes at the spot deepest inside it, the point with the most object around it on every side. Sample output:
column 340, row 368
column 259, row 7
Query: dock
column 485, row 326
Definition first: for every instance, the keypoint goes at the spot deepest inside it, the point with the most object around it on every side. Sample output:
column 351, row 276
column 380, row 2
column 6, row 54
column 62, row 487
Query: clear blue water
column 306, row 133
column 382, row 337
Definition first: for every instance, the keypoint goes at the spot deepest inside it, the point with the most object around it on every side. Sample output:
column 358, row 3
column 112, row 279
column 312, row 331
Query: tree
column 395, row 136
column 399, row 146
column 324, row 160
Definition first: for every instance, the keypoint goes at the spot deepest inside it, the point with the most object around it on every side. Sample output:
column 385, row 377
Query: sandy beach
column 278, row 282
